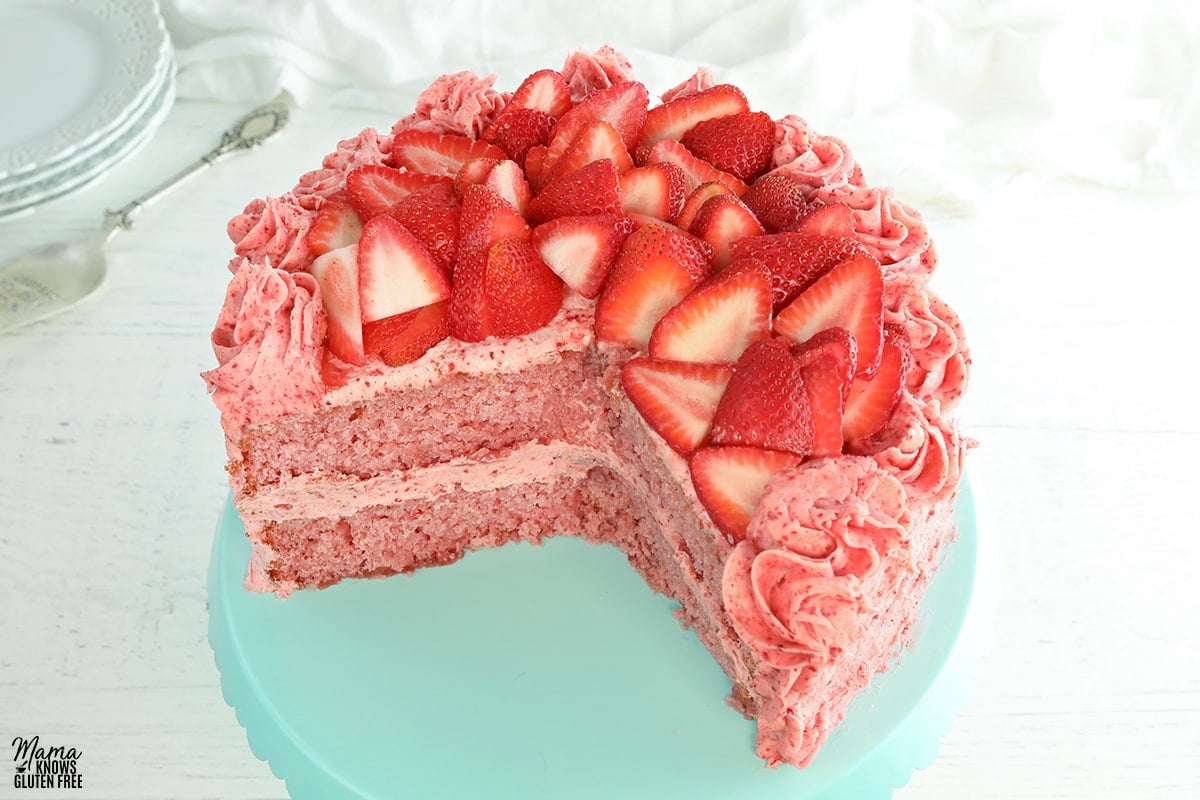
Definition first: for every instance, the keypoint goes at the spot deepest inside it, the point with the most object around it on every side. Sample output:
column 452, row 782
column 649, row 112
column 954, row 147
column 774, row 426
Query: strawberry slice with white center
column 657, row 266
column 696, row 199
column 695, row 170
column 674, row 119
column 765, row 403
column 792, row 260
column 374, row 188
column 337, row 224
column 545, row 90
column 872, row 401
column 827, row 365
column 396, row 271
column 723, row 220
column 730, row 482
column 337, row 276
column 442, row 154
column 403, row 338
column 849, row 296
column 592, row 189
column 508, row 180
column 676, row 399
column 655, row 190
column 598, row 140
column 717, row 320
column 623, row 105
column 581, row 249
column 432, row 215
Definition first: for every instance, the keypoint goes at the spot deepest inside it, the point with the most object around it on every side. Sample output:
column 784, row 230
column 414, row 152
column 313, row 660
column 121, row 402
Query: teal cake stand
column 548, row 672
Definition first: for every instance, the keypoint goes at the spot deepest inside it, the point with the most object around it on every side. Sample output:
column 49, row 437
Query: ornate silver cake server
column 56, row 277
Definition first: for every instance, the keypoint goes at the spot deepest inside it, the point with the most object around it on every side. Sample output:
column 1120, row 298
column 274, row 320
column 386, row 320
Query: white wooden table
column 1081, row 307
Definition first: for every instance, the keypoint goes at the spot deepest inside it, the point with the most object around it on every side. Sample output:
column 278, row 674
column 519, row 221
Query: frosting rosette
column 922, row 449
column 272, row 230
column 701, row 79
column 794, row 587
column 810, row 159
column 940, row 365
column 589, row 72
column 368, row 147
column 267, row 340
column 889, row 230
column 463, row 104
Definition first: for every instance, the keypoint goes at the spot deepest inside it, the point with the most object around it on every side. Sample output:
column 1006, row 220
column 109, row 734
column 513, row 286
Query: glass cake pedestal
column 551, row 672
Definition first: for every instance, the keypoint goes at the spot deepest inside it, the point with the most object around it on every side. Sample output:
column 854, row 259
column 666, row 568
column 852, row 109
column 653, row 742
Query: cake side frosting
column 804, row 571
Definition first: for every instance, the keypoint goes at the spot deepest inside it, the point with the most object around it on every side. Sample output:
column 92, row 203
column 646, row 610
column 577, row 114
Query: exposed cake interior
column 345, row 467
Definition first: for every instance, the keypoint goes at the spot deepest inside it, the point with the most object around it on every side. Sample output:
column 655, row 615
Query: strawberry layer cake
column 681, row 327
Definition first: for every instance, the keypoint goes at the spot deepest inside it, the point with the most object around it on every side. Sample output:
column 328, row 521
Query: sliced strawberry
column 730, row 482
column 581, row 249
column 486, row 218
column 657, row 266
column 335, row 373
column 593, row 189
column 740, row 144
column 721, row 221
column 834, row 219
column 765, row 403
column 676, row 399
column 598, row 140
column 674, row 119
column 337, row 276
column 404, row 338
column 696, row 200
column 337, row 224
column 443, row 154
column 872, row 401
column 778, row 202
column 695, row 170
column 519, row 130
column 432, row 215
column 656, row 190
column 508, row 180
column 545, row 90
column 792, row 260
column 717, row 320
column 535, row 166
column 623, row 105
column 473, row 173
column 827, row 365
column 396, row 271
column 849, row 296
column 469, row 315
column 374, row 188
column 523, row 292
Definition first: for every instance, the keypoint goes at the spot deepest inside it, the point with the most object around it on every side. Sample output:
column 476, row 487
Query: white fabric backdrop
column 945, row 98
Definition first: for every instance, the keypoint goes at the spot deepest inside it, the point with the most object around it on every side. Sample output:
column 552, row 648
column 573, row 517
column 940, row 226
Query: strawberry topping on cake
column 730, row 281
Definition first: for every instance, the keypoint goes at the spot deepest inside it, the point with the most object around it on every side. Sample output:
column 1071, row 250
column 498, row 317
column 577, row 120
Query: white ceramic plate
column 94, row 61
column 84, row 172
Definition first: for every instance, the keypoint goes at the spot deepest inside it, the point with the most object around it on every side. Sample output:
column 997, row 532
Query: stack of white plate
column 83, row 85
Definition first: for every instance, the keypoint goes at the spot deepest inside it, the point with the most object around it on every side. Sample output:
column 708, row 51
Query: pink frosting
column 922, row 448
column 267, row 341
column 701, row 79
column 793, row 587
column 368, row 147
column 462, row 103
column 812, row 160
column 941, row 362
column 272, row 231
column 590, row 72
column 890, row 230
